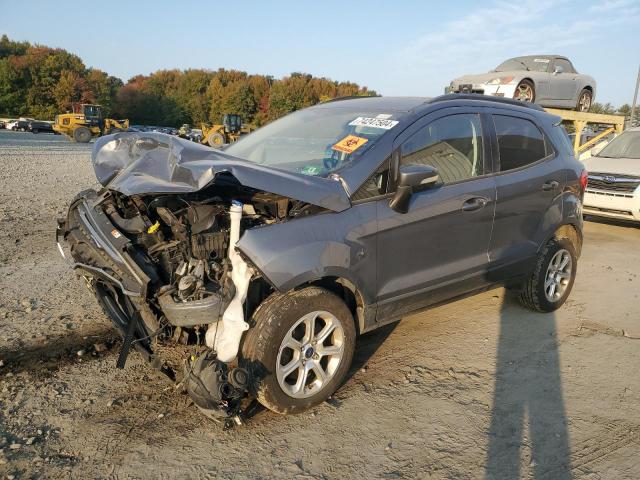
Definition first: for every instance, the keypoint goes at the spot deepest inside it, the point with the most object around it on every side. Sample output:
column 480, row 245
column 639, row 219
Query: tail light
column 584, row 178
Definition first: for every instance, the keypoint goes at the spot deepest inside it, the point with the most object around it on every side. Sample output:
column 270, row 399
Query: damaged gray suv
column 248, row 272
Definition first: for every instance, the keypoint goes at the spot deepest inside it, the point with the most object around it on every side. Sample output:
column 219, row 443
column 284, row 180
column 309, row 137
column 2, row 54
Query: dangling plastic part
column 224, row 336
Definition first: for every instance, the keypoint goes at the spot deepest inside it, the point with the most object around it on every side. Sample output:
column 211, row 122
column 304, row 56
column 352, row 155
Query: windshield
column 315, row 141
column 534, row 64
column 627, row 145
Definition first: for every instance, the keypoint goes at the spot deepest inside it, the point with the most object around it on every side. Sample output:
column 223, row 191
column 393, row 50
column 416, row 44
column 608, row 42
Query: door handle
column 475, row 203
column 550, row 185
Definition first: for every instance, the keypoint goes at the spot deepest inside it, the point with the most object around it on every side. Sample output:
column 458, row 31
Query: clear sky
column 394, row 47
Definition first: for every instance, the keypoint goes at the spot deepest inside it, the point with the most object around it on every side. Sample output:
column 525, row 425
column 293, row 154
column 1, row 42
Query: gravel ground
column 480, row 388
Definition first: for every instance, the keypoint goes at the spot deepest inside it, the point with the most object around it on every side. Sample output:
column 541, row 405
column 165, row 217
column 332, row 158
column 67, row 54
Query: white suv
column 613, row 189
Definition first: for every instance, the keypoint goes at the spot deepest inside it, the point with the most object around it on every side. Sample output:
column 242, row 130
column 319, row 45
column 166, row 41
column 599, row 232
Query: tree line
column 39, row 81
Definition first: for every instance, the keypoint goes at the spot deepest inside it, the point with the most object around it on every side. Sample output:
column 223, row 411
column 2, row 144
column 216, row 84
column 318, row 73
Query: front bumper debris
column 103, row 256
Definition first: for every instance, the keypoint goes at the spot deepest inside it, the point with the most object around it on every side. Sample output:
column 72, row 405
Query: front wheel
column 549, row 285
column 299, row 348
column 82, row 135
column 525, row 91
column 215, row 140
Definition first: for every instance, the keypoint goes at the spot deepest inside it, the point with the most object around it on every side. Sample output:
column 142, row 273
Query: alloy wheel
column 558, row 275
column 310, row 354
column 524, row 93
column 584, row 104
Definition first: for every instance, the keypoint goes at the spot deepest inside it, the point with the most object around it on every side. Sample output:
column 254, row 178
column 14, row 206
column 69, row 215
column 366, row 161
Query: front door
column 564, row 85
column 439, row 248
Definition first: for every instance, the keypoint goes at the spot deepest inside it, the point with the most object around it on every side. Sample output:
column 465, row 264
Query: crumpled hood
column 485, row 77
column 135, row 163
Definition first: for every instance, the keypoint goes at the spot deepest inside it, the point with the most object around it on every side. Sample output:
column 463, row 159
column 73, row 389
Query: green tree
column 606, row 108
column 240, row 99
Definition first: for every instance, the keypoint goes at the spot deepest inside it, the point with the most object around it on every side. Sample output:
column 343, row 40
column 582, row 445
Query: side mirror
column 410, row 178
column 558, row 69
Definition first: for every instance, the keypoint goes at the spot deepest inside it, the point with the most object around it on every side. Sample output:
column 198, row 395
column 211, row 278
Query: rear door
column 439, row 248
column 529, row 182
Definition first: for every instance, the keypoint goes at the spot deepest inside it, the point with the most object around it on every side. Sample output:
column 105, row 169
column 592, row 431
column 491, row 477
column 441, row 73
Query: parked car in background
column 37, row 126
column 3, row 125
column 11, row 124
column 548, row 80
column 613, row 189
column 327, row 223
column 20, row 126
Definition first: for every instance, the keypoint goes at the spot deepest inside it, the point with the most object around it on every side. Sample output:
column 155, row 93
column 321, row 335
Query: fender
column 307, row 249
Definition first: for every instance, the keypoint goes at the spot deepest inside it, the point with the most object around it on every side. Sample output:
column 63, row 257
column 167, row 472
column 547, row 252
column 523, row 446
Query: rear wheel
column 525, row 91
column 552, row 279
column 82, row 135
column 584, row 101
column 215, row 139
column 299, row 348
column 35, row 130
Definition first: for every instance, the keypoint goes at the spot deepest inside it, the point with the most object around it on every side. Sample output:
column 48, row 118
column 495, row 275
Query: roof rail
column 485, row 98
column 349, row 97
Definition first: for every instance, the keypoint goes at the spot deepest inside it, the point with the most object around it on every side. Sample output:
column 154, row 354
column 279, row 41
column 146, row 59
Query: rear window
column 520, row 142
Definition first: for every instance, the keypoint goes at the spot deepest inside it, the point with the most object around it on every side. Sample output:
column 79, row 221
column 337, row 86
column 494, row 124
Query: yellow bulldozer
column 229, row 131
column 86, row 122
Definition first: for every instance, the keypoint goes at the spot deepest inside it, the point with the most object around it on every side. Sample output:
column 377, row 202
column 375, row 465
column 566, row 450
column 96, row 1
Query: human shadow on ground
column 528, row 393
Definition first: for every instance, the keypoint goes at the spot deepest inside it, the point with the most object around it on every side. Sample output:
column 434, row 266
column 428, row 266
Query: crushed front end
column 159, row 269
column 156, row 246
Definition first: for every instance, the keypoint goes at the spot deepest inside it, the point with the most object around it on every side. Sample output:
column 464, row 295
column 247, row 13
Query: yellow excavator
column 231, row 129
column 86, row 122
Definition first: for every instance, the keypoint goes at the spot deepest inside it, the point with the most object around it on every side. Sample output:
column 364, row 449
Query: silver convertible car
column 548, row 80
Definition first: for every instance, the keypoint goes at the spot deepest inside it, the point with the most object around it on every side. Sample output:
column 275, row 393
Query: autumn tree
column 40, row 81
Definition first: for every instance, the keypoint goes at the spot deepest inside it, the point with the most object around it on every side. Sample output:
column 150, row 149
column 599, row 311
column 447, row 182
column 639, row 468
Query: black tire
column 584, row 100
column 270, row 323
column 215, row 140
column 82, row 135
column 524, row 85
column 14, row 129
column 533, row 294
column 35, row 130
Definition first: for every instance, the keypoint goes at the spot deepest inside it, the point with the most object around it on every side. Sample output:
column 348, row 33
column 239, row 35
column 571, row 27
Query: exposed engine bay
column 200, row 290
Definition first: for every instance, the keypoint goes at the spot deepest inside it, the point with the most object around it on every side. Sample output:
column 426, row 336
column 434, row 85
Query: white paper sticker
column 541, row 60
column 374, row 123
column 384, row 116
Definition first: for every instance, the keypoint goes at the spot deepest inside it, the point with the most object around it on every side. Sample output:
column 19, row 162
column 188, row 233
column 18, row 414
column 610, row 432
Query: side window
column 520, row 142
column 565, row 64
column 376, row 185
column 451, row 144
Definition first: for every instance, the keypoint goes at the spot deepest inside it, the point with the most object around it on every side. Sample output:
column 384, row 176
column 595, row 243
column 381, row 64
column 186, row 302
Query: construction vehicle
column 229, row 131
column 86, row 122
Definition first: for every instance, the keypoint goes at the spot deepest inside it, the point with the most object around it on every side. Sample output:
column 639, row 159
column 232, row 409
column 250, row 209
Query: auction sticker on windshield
column 349, row 144
column 374, row 123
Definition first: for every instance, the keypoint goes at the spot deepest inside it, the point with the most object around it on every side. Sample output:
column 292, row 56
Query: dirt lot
column 479, row 388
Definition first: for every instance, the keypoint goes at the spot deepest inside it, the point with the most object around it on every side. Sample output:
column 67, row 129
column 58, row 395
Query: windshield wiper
column 524, row 65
